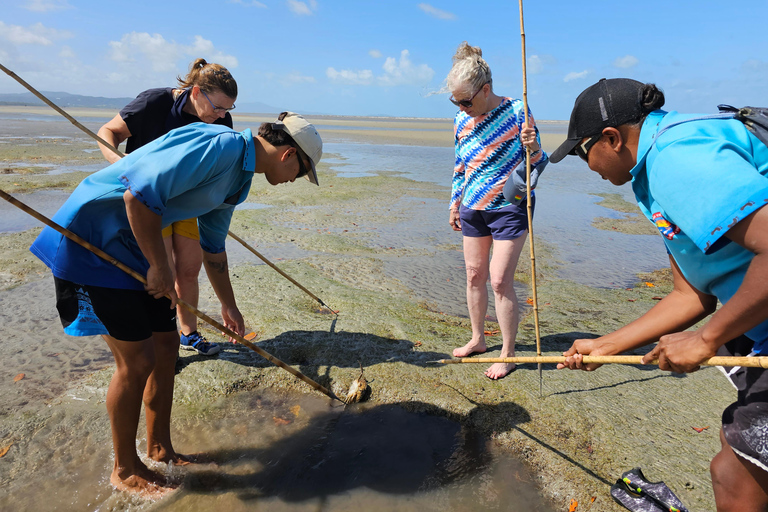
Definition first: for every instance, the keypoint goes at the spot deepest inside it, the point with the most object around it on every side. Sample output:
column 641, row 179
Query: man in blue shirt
column 199, row 170
column 703, row 183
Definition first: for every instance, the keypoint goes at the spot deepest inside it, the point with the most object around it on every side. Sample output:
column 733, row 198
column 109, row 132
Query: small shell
column 359, row 390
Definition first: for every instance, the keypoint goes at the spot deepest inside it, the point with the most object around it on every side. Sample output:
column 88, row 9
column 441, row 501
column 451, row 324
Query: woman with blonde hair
column 488, row 199
column 207, row 94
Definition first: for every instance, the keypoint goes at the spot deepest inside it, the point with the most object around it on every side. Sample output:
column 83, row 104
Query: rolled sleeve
column 214, row 227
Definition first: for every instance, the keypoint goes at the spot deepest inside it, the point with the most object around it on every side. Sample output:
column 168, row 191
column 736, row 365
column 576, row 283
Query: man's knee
column 138, row 368
column 734, row 486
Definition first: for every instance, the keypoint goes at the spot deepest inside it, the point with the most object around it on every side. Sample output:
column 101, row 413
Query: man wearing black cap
column 703, row 184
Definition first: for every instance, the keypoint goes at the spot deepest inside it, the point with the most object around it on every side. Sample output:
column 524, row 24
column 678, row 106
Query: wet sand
column 577, row 436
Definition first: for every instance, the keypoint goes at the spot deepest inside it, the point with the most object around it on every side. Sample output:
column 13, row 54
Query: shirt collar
column 249, row 157
column 647, row 137
column 175, row 117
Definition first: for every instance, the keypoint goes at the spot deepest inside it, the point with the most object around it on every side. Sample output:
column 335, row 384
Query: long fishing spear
column 750, row 362
column 530, row 206
column 101, row 254
column 121, row 155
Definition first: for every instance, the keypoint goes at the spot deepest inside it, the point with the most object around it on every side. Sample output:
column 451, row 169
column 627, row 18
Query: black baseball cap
column 610, row 102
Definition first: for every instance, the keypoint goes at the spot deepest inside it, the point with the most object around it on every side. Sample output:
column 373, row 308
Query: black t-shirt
column 154, row 113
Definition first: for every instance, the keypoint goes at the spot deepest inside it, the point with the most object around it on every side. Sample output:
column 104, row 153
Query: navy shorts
column 745, row 422
column 127, row 315
column 506, row 223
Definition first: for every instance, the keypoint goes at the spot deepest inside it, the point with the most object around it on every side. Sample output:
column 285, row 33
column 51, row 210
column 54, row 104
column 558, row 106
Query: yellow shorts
column 186, row 228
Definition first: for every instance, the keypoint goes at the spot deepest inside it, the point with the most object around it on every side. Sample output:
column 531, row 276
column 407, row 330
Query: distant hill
column 65, row 99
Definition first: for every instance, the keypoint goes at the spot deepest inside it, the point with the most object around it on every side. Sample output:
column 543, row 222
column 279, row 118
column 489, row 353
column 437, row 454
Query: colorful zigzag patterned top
column 488, row 149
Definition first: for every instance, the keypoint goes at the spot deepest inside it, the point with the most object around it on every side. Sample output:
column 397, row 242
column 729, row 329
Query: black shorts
column 745, row 422
column 127, row 315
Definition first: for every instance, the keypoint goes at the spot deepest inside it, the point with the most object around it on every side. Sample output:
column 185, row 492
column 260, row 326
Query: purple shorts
column 745, row 422
column 506, row 223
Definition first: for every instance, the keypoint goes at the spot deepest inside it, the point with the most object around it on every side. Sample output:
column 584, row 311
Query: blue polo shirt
column 695, row 181
column 199, row 170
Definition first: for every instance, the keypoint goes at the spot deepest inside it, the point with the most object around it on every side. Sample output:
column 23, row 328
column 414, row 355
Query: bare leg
column 739, row 485
column 476, row 254
column 134, row 362
column 158, row 399
column 503, row 264
column 188, row 259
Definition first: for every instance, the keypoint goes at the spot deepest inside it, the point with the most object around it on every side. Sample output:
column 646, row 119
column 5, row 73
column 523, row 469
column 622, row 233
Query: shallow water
column 267, row 450
column 372, row 458
column 46, row 202
column 565, row 207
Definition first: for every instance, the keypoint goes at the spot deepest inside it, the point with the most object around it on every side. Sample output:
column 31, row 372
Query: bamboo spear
column 265, row 260
column 101, row 254
column 530, row 206
column 121, row 155
column 751, row 362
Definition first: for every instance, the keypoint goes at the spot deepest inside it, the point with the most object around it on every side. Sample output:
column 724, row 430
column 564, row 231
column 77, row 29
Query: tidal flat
column 371, row 248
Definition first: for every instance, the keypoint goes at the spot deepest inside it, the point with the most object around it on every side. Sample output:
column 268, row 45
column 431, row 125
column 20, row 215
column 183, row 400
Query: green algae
column 578, row 435
column 633, row 222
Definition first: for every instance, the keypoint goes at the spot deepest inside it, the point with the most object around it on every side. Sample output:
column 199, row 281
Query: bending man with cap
column 199, row 170
column 703, row 183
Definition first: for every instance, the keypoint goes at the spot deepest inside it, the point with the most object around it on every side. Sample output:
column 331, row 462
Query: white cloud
column 296, row 78
column 437, row 13
column 396, row 72
column 376, row 54
column 626, row 62
column 405, row 72
column 754, row 65
column 67, row 53
column 46, row 5
column 575, row 76
column 34, row 34
column 251, row 3
column 364, row 77
column 535, row 65
column 302, row 8
column 204, row 48
column 163, row 55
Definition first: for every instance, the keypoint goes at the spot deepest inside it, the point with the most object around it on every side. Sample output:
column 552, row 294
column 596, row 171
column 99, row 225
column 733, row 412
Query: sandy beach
column 363, row 246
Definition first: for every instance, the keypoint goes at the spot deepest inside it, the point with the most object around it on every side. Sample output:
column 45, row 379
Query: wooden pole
column 751, row 362
column 121, row 155
column 530, row 205
column 98, row 252
column 265, row 260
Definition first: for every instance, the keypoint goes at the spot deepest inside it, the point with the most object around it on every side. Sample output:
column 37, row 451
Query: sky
column 391, row 57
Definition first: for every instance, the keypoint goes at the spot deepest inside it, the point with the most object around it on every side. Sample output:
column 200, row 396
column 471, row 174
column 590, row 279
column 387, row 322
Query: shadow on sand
column 397, row 449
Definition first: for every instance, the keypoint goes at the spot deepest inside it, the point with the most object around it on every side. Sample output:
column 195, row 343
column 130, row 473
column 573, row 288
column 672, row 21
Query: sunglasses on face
column 466, row 103
column 583, row 149
column 214, row 107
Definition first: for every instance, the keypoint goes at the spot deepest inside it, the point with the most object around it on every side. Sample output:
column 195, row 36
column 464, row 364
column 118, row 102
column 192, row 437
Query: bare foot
column 499, row 370
column 473, row 347
column 145, row 482
column 176, row 458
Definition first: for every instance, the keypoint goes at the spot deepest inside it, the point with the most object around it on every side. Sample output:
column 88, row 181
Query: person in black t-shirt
column 206, row 94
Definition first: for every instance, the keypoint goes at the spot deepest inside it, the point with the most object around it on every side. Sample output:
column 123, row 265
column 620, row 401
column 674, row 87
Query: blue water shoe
column 194, row 341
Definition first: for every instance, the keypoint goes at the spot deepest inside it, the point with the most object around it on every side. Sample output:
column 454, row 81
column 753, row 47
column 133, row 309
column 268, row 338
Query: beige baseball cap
column 306, row 136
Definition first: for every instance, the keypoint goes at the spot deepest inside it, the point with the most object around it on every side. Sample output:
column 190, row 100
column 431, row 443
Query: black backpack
column 755, row 119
